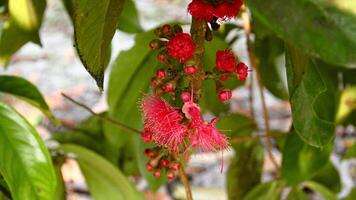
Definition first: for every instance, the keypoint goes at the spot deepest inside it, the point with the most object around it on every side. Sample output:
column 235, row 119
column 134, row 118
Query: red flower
column 181, row 46
column 242, row 71
column 224, row 95
column 228, row 10
column 164, row 122
column 201, row 10
column 225, row 61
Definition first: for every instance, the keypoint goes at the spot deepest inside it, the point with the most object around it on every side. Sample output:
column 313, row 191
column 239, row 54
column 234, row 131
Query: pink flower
column 225, row 61
column 203, row 135
column 164, row 122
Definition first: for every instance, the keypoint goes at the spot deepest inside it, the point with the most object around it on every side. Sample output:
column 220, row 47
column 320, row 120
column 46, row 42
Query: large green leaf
column 313, row 98
column 94, row 26
column 297, row 194
column 128, row 20
column 23, row 25
column 301, row 161
column 325, row 29
column 328, row 176
column 269, row 50
column 271, row 191
column 129, row 78
column 236, row 125
column 25, row 162
column 25, row 90
column 104, row 180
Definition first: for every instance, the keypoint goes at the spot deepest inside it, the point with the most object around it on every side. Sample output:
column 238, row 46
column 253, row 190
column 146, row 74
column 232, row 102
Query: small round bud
column 189, row 70
column 223, row 78
column 154, row 82
column 161, row 74
column 157, row 173
column 149, row 167
column 166, row 28
column 185, row 96
column 170, row 175
column 242, row 71
column 146, row 136
column 168, row 87
column 175, row 166
column 149, row 153
column 155, row 44
column 162, row 57
column 165, row 163
column 224, row 95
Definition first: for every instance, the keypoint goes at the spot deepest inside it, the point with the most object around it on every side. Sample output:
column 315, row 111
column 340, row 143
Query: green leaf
column 23, row 25
column 154, row 183
column 269, row 51
column 128, row 20
column 129, row 78
column 313, row 98
column 301, row 161
column 323, row 191
column 94, row 27
column 25, row 162
column 245, row 170
column 104, row 180
column 271, row 191
column 26, row 91
column 328, row 176
column 322, row 28
column 236, row 125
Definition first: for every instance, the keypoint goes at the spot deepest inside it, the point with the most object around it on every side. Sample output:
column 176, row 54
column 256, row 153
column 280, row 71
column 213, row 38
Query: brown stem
column 184, row 179
column 197, row 31
column 104, row 118
column 247, row 28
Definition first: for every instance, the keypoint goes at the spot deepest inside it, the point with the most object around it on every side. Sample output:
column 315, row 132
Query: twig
column 247, row 28
column 184, row 179
column 104, row 118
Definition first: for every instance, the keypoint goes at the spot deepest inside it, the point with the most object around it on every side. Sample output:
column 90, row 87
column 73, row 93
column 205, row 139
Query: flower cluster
column 202, row 10
column 226, row 62
column 172, row 119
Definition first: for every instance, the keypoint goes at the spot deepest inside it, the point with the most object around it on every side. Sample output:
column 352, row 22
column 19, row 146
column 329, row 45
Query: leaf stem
column 247, row 28
column 104, row 118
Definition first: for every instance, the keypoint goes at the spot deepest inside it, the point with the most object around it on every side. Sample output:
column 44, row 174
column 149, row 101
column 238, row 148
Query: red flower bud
column 175, row 166
column 185, row 96
column 157, row 173
column 146, row 136
column 189, row 70
column 166, row 28
column 165, row 163
column 162, row 57
column 223, row 78
column 154, row 82
column 149, row 153
column 149, row 167
column 170, row 175
column 168, row 87
column 161, row 74
column 242, row 71
column 224, row 95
